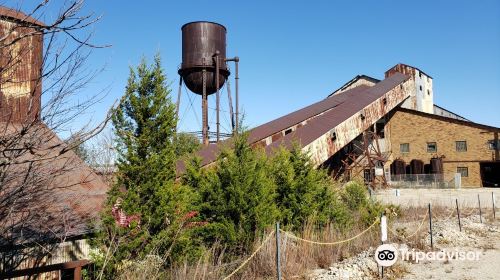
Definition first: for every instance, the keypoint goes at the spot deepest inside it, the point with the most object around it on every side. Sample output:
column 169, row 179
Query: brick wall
column 417, row 129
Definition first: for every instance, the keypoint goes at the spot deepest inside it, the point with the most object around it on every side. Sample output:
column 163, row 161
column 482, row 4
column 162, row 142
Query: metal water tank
column 398, row 167
column 416, row 166
column 436, row 165
column 201, row 41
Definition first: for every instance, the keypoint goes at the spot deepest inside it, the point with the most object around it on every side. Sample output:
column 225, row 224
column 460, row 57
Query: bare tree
column 41, row 178
column 99, row 153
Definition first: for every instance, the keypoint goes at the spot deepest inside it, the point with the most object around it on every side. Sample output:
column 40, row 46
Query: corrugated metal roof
column 354, row 80
column 9, row 13
column 73, row 197
column 352, row 104
column 282, row 123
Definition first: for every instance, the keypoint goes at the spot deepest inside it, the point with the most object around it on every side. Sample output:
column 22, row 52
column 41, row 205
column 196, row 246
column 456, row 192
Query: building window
column 368, row 175
column 461, row 146
column 464, row 171
column 428, row 92
column 404, row 148
column 420, row 88
column 431, row 147
column 493, row 145
column 288, row 131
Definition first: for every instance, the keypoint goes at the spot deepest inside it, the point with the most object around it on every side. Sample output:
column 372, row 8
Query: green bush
column 355, row 195
column 356, row 198
column 236, row 196
column 304, row 193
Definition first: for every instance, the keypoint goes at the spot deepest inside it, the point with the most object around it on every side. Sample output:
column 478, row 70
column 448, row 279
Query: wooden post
column 458, row 214
column 77, row 273
column 383, row 234
column 430, row 226
column 480, row 214
column 278, row 253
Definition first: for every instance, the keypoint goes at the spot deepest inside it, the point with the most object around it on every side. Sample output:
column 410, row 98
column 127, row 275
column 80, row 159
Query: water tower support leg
column 229, row 97
column 204, row 109
column 237, row 78
column 178, row 99
column 217, row 98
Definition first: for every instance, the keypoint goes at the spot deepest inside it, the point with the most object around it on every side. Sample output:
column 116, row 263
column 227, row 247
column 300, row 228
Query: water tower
column 204, row 69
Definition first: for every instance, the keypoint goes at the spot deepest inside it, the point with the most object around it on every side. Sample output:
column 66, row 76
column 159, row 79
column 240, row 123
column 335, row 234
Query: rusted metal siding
column 323, row 147
column 274, row 129
column 422, row 97
column 20, row 68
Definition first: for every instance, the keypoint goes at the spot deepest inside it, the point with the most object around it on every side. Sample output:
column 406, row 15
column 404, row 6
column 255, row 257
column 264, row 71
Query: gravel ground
column 443, row 197
column 476, row 237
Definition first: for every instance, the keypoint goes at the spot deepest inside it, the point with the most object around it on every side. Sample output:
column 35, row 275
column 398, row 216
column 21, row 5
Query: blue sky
column 294, row 53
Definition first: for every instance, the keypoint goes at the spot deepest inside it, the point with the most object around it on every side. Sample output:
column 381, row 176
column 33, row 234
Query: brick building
column 465, row 147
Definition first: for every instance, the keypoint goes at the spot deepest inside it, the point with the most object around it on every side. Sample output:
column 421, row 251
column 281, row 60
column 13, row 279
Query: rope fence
column 384, row 227
column 415, row 232
column 251, row 256
column 330, row 243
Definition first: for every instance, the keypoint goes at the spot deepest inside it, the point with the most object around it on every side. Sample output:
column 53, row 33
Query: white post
column 458, row 180
column 383, row 228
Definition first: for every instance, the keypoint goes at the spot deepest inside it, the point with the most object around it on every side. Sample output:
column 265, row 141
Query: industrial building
column 388, row 132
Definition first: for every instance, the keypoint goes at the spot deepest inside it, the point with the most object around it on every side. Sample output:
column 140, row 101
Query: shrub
column 304, row 193
column 236, row 195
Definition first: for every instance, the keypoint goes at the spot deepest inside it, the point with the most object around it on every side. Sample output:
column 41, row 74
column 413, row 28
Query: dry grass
column 297, row 258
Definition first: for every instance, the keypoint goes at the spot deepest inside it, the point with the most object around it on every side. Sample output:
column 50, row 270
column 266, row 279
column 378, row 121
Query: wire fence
column 431, row 218
column 429, row 181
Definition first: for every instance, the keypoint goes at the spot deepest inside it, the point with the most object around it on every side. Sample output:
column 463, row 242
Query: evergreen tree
column 236, row 195
column 304, row 192
column 154, row 206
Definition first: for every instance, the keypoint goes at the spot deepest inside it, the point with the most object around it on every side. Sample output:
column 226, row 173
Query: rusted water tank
column 201, row 40
column 398, row 167
column 416, row 166
column 436, row 165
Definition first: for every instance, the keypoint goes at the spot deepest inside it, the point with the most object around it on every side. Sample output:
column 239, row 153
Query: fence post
column 458, row 214
column 480, row 214
column 383, row 234
column 430, row 226
column 493, row 204
column 383, row 228
column 278, row 253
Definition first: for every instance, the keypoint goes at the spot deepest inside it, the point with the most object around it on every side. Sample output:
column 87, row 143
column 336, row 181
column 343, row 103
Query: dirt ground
column 483, row 238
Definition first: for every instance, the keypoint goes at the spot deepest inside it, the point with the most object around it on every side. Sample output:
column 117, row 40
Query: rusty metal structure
column 325, row 128
column 21, row 48
column 204, row 69
column 364, row 155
